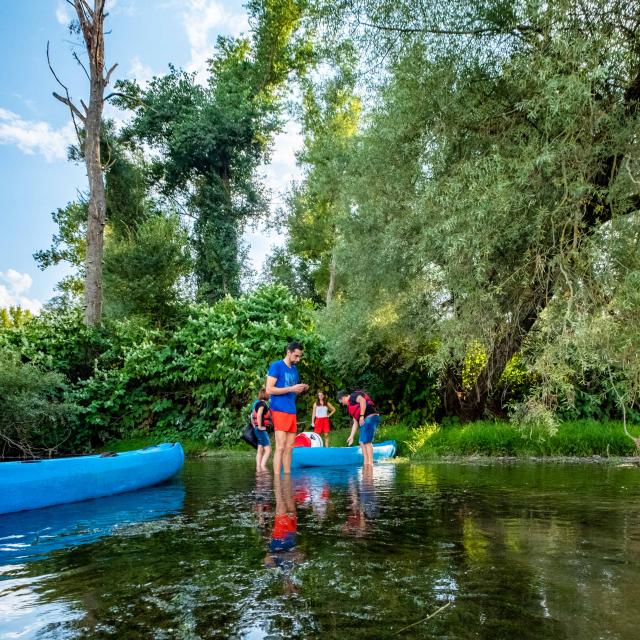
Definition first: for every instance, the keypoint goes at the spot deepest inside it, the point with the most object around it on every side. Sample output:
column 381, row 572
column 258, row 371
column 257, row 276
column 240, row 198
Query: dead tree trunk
column 91, row 22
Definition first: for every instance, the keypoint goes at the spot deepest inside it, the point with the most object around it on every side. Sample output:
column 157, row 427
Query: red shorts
column 284, row 421
column 283, row 524
column 322, row 425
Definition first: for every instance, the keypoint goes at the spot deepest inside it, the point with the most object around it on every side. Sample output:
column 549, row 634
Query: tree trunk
column 97, row 214
column 91, row 21
column 470, row 404
column 92, row 25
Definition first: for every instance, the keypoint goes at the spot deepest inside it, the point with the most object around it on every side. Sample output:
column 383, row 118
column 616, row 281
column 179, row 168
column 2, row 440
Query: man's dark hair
column 342, row 394
column 292, row 346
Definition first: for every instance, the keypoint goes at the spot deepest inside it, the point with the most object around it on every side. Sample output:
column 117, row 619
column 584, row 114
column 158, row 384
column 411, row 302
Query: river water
column 488, row 551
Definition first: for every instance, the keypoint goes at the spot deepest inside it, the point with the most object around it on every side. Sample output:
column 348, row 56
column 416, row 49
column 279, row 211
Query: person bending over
column 364, row 416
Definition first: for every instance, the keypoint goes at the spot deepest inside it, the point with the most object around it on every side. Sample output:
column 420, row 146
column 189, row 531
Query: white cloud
column 12, row 293
column 62, row 13
column 140, row 71
column 35, row 137
column 204, row 20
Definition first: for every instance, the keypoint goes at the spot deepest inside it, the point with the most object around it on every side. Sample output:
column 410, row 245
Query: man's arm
column 363, row 408
column 354, row 428
column 272, row 390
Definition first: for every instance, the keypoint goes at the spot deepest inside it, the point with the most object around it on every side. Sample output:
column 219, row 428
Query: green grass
column 192, row 448
column 580, row 438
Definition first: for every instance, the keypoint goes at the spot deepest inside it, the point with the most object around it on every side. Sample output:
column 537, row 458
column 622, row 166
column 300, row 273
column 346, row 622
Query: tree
column 212, row 138
column 91, row 25
column 14, row 317
column 317, row 206
column 143, row 270
column 500, row 142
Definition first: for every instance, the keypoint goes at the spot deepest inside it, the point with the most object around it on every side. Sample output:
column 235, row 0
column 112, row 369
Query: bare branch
column 108, row 77
column 72, row 107
column 77, row 59
column 74, row 110
column 117, row 94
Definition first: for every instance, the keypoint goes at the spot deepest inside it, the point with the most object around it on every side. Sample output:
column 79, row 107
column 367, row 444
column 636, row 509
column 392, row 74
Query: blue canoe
column 43, row 483
column 338, row 456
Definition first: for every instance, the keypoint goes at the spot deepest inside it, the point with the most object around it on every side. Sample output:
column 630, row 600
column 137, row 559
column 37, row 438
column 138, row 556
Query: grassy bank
column 581, row 438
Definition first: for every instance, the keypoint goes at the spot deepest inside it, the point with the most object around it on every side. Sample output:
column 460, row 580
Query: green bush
column 199, row 380
column 35, row 418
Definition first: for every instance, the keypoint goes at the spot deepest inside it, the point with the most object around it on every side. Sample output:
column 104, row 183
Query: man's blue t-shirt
column 285, row 377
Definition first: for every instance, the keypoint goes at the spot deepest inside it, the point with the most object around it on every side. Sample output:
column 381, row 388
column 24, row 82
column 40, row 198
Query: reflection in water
column 283, row 552
column 30, row 535
column 535, row 552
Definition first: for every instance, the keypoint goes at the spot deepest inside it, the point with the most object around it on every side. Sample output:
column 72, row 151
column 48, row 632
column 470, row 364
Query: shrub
column 35, row 417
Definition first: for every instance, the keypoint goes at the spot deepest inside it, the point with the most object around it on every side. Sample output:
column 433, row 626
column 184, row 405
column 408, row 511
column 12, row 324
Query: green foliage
column 213, row 138
column 144, row 270
column 198, row 380
column 13, row 317
column 35, row 418
column 494, row 159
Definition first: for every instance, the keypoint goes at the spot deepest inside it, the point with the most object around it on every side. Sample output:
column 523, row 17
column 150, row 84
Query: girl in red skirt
column 322, row 411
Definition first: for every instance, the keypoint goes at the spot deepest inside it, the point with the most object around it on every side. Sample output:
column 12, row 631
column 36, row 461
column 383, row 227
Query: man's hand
column 299, row 388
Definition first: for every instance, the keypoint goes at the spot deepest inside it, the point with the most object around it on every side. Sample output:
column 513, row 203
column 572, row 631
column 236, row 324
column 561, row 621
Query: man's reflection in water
column 262, row 504
column 283, row 553
column 363, row 505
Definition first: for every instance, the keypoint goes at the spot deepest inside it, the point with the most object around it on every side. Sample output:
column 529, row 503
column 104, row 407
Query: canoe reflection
column 32, row 535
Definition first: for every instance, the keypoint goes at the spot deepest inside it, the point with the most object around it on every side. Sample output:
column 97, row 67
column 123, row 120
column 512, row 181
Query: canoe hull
column 49, row 482
column 339, row 456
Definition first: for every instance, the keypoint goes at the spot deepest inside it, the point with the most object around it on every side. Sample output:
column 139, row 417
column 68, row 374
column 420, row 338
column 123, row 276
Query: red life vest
column 266, row 415
column 354, row 409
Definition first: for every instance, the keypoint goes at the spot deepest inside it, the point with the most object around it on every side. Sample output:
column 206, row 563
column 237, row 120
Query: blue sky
column 35, row 129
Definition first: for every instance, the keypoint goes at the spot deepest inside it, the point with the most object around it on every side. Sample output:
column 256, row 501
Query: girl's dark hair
column 324, row 399
column 262, row 394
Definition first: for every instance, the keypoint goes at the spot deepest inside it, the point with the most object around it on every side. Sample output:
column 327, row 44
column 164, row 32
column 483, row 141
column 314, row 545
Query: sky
column 35, row 129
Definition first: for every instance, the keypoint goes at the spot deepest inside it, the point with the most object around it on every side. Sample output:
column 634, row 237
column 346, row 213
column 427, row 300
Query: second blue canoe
column 339, row 456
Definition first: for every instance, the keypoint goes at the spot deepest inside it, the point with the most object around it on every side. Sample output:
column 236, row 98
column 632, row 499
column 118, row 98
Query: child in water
column 322, row 411
column 261, row 419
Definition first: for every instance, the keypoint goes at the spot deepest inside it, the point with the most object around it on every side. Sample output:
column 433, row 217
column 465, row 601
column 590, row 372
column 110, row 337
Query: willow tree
column 91, row 26
column 501, row 143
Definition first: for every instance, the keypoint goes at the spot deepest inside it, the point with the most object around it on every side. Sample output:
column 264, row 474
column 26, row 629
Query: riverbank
column 574, row 441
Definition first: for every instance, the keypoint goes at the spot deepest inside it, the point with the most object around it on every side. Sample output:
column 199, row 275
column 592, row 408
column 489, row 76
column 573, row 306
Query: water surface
column 514, row 551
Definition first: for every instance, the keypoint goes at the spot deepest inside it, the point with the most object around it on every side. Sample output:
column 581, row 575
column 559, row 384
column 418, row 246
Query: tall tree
column 91, row 26
column 212, row 138
column 501, row 142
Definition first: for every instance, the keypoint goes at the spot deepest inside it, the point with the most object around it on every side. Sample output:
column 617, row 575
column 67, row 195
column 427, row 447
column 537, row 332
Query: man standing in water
column 283, row 385
column 365, row 415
